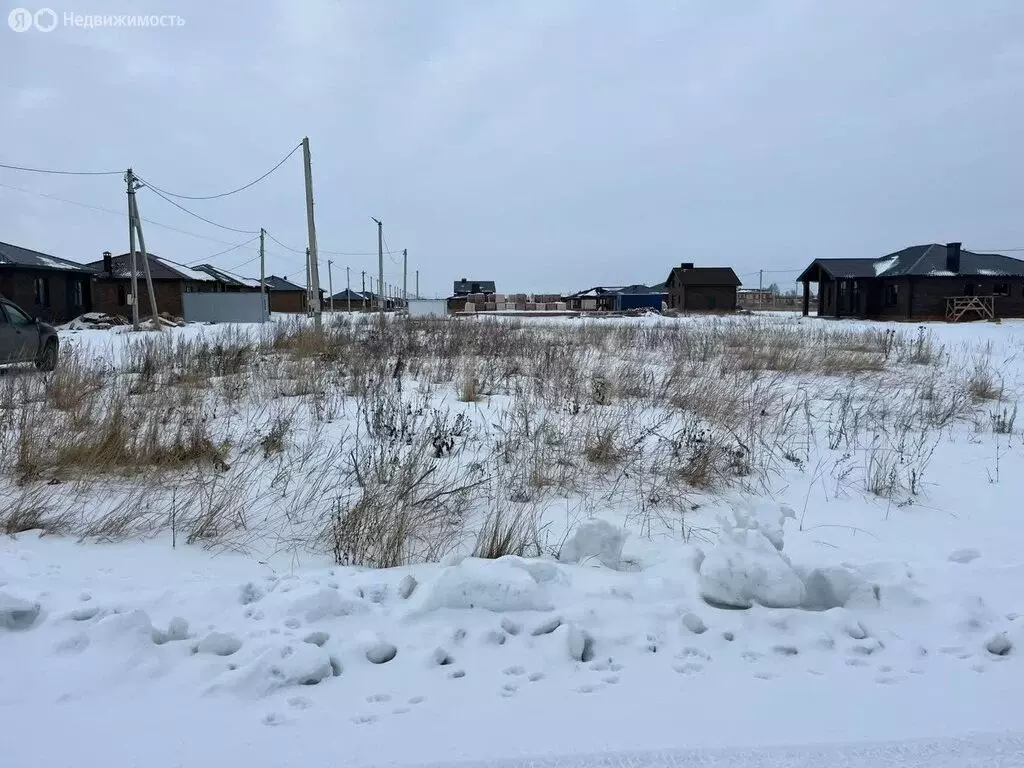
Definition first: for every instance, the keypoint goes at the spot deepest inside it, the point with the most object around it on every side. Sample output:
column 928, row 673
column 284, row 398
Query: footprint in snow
column 378, row 698
column 274, row 719
column 456, row 674
column 886, row 680
column 535, row 677
column 299, row 702
column 515, row 670
column 764, row 676
column 588, row 689
column 611, row 679
column 400, row 711
column 364, row 719
column 689, row 668
column 855, row 662
column 417, row 699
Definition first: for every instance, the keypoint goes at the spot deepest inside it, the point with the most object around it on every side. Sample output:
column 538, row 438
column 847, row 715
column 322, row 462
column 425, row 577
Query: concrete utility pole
column 348, row 289
column 314, row 270
column 380, row 266
column 405, row 275
column 263, row 275
column 330, row 282
column 363, row 293
column 760, row 279
column 309, row 288
column 135, row 221
column 417, row 283
column 130, row 178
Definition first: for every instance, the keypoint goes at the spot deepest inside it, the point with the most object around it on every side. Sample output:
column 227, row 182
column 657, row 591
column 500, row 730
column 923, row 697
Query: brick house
column 287, row 297
column 917, row 283
column 702, row 289
column 171, row 281
column 53, row 289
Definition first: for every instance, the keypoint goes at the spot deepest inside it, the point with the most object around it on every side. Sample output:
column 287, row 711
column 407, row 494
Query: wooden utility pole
column 263, row 275
column 348, row 289
column 380, row 267
column 135, row 221
column 311, row 226
column 405, row 275
column 330, row 282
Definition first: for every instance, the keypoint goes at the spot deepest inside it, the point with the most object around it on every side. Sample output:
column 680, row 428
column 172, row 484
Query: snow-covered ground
column 800, row 617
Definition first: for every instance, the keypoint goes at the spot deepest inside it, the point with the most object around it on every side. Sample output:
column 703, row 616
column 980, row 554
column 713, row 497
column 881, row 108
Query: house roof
column 598, row 290
column 275, row 283
column 16, row 256
column 227, row 277
column 918, row 261
column 344, row 295
column 159, row 269
column 466, row 286
column 702, row 276
column 641, row 290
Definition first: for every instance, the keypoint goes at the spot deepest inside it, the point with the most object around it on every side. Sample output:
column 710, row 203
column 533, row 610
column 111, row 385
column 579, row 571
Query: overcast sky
column 549, row 145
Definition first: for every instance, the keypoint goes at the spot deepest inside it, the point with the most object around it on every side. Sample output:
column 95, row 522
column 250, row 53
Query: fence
column 428, row 308
column 224, row 308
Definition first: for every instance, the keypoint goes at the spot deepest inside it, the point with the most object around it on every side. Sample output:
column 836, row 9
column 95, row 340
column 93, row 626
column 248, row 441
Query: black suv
column 24, row 339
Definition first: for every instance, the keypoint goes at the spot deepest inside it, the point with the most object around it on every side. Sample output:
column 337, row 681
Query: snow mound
column 744, row 568
column 219, row 644
column 491, row 585
column 542, row 571
column 17, row 614
column 283, row 667
column 594, row 540
column 766, row 517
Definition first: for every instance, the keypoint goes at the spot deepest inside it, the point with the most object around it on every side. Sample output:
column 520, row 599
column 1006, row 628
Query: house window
column 78, row 294
column 122, row 296
column 892, row 294
column 1001, row 289
column 42, row 292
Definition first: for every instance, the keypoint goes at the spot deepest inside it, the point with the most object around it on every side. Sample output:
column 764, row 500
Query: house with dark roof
column 287, row 297
column 170, row 282
column 466, row 287
column 349, row 300
column 228, row 282
column 51, row 288
column 918, row 283
column 702, row 289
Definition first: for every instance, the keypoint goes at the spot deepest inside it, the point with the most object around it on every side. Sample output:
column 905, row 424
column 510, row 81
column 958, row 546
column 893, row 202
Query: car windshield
column 15, row 315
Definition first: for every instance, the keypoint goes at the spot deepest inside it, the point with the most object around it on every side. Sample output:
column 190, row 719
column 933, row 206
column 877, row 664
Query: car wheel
column 48, row 359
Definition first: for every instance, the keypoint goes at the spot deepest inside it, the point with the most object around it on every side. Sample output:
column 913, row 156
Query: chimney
column 108, row 263
column 686, row 265
column 953, row 258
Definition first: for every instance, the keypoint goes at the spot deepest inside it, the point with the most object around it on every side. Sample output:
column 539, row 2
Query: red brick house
column 53, row 289
column 171, row 281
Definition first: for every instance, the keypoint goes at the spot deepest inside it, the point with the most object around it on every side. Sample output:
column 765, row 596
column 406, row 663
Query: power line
column 302, row 251
column 180, row 207
column 233, row 191
column 228, row 250
column 111, row 211
column 60, row 173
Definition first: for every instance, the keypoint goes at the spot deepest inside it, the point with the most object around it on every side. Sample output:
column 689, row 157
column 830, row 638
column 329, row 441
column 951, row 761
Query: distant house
column 348, row 298
column 170, row 282
column 286, row 296
column 702, row 289
column 600, row 298
column 228, row 282
column 640, row 297
column 466, row 287
column 920, row 282
column 53, row 289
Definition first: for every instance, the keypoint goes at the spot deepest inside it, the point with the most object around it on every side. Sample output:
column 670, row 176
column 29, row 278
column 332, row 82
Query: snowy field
column 762, row 540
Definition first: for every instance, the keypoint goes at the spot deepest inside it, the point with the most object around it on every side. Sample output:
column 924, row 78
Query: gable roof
column 275, row 283
column 918, row 261
column 16, row 256
column 159, row 269
column 641, row 290
column 345, row 294
column 702, row 276
column 466, row 286
column 226, row 277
